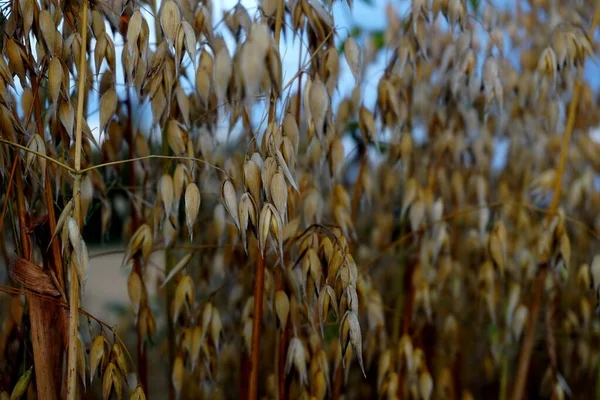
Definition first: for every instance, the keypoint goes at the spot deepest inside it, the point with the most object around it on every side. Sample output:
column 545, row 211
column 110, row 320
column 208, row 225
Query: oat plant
column 438, row 242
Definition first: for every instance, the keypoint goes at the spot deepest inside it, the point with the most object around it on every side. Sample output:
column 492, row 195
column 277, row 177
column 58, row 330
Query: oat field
column 296, row 199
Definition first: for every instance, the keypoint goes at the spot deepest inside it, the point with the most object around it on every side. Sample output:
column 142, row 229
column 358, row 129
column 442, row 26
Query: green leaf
column 22, row 385
column 378, row 39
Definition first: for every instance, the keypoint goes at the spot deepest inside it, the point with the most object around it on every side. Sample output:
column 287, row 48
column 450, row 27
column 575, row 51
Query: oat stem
column 74, row 285
column 260, row 261
column 259, row 288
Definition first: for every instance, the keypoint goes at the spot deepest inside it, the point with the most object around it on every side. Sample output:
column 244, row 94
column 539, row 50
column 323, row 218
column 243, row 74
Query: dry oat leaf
column 192, row 206
column 178, row 267
column 32, row 277
column 108, row 108
column 170, row 18
column 229, row 199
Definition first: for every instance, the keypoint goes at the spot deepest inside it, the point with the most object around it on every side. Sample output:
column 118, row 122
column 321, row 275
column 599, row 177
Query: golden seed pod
column 141, row 241
column 366, row 123
column 216, row 329
column 192, row 206
column 318, row 102
column 184, row 296
column 55, row 78
column 136, row 291
column 170, row 17
column 425, row 385
column 195, row 346
column 117, row 356
column 222, row 73
column 111, row 382
column 264, row 224
column 177, row 137
column 350, row 334
column 297, row 357
column 229, row 199
column 138, row 394
column 108, row 107
column 146, row 323
column 181, row 178
column 253, row 179
column 177, row 375
column 497, row 246
column 97, row 355
column 519, row 320
column 279, row 194
column 353, row 57
column 282, row 308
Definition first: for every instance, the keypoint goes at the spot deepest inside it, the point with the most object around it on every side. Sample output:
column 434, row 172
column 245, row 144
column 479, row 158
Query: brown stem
column 550, row 339
column 565, row 147
column 10, row 181
column 142, row 360
column 282, row 342
column 528, row 340
column 74, row 284
column 338, row 382
column 41, row 314
column 259, row 288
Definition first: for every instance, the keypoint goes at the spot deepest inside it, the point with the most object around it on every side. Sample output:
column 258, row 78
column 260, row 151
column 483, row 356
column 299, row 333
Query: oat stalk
column 74, row 281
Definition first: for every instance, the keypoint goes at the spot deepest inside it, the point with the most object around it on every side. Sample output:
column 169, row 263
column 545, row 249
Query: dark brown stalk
column 528, row 340
column 259, row 289
column 142, row 361
column 338, row 382
column 45, row 341
column 259, row 280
